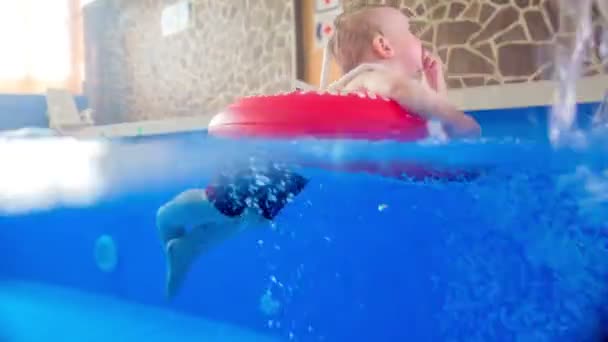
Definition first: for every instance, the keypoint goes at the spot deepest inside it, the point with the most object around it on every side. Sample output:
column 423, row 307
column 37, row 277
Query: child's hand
column 433, row 72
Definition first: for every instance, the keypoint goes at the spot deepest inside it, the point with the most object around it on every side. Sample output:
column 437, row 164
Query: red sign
column 324, row 28
column 326, row 5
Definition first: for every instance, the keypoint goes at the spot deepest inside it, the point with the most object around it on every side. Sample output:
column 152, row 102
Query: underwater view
column 515, row 250
column 141, row 199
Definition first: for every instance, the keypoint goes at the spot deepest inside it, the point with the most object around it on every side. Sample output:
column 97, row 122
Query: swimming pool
column 518, row 253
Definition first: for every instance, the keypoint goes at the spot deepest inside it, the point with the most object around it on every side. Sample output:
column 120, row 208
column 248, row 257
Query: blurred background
column 137, row 60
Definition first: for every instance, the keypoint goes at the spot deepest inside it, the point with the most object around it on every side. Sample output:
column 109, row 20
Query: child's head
column 376, row 34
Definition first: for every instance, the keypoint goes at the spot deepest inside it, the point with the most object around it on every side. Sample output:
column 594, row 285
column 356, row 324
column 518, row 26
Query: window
column 41, row 45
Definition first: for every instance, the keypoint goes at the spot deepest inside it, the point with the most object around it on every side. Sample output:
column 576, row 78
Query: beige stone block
column 464, row 61
column 502, row 20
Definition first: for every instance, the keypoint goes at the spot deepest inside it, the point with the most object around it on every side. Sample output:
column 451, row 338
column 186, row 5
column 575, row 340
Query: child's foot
column 182, row 251
column 179, row 258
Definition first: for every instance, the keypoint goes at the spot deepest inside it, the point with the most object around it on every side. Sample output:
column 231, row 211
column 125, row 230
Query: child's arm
column 427, row 103
column 432, row 70
column 412, row 95
column 433, row 75
column 417, row 97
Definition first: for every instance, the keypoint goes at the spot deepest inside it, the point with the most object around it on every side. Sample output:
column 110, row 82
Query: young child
column 378, row 53
column 199, row 219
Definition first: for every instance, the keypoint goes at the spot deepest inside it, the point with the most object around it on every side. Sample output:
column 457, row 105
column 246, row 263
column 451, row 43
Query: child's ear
column 382, row 47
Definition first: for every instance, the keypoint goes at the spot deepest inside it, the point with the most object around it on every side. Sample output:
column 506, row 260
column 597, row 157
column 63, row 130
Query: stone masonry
column 487, row 42
column 236, row 48
column 243, row 47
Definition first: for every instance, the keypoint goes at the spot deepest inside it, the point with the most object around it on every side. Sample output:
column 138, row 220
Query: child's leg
column 192, row 209
column 182, row 252
column 217, row 213
column 189, row 208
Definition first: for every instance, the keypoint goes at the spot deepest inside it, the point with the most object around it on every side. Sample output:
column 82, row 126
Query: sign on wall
column 325, row 13
column 326, row 5
column 177, row 17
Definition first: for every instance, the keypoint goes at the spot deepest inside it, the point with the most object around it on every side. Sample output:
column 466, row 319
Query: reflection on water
column 46, row 171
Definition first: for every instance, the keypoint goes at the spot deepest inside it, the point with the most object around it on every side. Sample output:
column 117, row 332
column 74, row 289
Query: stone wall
column 235, row 48
column 487, row 42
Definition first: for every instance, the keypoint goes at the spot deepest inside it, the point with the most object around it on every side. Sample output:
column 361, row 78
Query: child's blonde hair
column 354, row 32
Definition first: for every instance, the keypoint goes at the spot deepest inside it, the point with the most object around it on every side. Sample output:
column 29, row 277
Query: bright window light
column 35, row 39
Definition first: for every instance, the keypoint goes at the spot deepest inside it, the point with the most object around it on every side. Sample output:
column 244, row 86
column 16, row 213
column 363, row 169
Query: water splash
column 602, row 6
column 600, row 118
column 569, row 61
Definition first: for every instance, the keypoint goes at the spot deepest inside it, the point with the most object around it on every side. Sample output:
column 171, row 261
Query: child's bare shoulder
column 369, row 76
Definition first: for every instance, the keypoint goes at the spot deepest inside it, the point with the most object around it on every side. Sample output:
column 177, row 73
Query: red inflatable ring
column 319, row 115
column 328, row 116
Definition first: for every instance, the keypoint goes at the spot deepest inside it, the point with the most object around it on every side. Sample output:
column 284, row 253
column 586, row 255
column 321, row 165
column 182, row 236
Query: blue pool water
column 518, row 253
